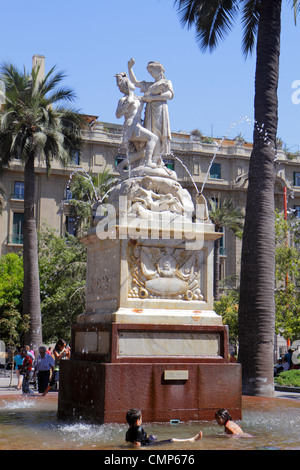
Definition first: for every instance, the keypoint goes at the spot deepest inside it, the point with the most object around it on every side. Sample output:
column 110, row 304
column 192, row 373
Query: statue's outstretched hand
column 131, row 63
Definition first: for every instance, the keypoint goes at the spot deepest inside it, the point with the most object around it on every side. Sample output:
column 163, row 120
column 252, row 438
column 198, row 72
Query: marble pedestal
column 149, row 337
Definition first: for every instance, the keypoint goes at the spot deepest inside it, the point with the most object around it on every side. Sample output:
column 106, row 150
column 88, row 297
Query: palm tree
column 31, row 127
column 261, row 19
column 87, row 191
column 223, row 215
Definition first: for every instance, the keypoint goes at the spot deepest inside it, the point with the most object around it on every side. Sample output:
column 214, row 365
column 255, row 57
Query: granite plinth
column 103, row 393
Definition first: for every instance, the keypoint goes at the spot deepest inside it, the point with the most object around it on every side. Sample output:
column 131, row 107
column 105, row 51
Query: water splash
column 86, row 176
column 187, row 170
column 92, row 433
column 232, row 125
column 260, row 128
column 18, row 404
column 97, row 191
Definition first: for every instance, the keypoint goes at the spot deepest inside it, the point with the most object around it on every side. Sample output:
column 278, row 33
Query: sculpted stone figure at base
column 143, row 195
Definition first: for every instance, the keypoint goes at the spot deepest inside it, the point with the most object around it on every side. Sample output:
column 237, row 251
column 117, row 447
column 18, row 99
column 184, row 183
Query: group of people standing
column 44, row 368
column 288, row 361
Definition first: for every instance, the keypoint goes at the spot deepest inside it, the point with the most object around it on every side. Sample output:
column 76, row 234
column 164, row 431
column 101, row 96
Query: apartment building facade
column 219, row 168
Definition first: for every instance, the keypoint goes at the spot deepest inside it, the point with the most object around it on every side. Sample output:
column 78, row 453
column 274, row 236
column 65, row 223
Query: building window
column 18, row 220
column 119, row 159
column 297, row 211
column 169, row 163
column 215, row 171
column 18, row 190
column 196, row 168
column 71, row 226
column 68, row 194
column 296, row 178
column 76, row 157
column 222, row 249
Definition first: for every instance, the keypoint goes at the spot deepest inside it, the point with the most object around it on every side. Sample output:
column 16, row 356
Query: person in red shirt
column 25, row 370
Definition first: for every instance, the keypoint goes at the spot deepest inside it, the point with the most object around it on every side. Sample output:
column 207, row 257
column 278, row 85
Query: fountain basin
column 103, row 393
column 31, row 423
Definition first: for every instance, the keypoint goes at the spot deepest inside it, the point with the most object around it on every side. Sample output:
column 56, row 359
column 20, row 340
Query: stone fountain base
column 149, row 337
column 168, row 371
column 103, row 393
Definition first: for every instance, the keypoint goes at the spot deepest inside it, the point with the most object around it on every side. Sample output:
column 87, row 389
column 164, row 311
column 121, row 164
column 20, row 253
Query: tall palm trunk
column 31, row 294
column 257, row 304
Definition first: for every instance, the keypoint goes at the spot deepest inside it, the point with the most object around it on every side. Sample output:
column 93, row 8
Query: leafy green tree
column 287, row 294
column 224, row 215
column 62, row 262
column 261, row 21
column 288, row 312
column 32, row 126
column 227, row 306
column 13, row 324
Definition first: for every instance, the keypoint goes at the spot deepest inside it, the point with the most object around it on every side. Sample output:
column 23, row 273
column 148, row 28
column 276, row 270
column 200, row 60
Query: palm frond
column 223, row 214
column 30, row 125
column 189, row 11
column 213, row 19
column 296, row 8
column 250, row 20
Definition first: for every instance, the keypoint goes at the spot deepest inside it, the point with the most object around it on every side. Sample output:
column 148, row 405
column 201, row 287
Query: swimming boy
column 138, row 436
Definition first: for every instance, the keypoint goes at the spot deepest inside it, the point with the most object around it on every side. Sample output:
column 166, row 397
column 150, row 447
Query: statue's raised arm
column 131, row 74
column 156, row 95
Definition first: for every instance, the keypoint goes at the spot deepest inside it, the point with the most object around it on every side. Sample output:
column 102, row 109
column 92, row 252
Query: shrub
column 290, row 378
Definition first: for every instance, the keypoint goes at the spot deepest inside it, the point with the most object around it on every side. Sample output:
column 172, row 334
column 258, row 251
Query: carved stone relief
column 164, row 273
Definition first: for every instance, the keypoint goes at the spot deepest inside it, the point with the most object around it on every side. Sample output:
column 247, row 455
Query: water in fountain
column 187, row 170
column 241, row 120
column 31, row 423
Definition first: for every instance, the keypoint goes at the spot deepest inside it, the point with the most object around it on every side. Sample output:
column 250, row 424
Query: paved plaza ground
column 6, row 389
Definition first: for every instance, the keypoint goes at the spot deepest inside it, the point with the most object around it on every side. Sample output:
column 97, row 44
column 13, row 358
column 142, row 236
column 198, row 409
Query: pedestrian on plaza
column 60, row 352
column 285, row 364
column 232, row 358
column 26, row 370
column 30, row 352
column 18, row 360
column 288, row 357
column 278, row 367
column 43, row 366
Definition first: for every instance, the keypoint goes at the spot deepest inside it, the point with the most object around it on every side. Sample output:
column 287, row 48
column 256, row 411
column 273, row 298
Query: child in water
column 138, row 436
column 223, row 418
